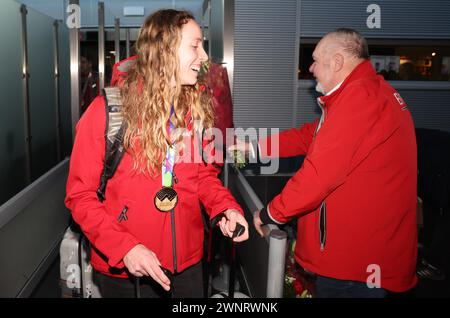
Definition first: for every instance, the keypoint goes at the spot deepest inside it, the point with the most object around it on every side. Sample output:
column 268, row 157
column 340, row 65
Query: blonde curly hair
column 148, row 94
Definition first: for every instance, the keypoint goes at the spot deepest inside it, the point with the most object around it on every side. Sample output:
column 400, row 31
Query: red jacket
column 112, row 236
column 120, row 70
column 355, row 194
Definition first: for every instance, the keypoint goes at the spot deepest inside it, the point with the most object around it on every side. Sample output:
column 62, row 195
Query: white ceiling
column 113, row 9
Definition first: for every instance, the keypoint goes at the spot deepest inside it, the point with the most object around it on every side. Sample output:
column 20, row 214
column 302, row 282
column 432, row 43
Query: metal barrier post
column 277, row 256
column 26, row 93
column 101, row 44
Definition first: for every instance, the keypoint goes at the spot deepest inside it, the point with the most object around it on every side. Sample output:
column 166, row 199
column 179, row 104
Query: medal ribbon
column 169, row 162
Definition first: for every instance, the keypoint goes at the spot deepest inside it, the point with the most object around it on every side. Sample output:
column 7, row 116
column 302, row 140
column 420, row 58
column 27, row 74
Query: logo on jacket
column 400, row 100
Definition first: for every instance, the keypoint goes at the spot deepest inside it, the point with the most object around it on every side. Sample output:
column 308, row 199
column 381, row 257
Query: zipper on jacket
column 322, row 118
column 323, row 225
column 174, row 240
column 172, row 222
column 174, row 177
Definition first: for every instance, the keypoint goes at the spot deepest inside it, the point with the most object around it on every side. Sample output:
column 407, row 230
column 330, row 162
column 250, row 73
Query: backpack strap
column 114, row 132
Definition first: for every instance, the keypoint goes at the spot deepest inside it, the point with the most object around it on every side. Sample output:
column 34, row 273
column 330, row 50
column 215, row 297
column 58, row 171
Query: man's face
column 321, row 68
column 191, row 53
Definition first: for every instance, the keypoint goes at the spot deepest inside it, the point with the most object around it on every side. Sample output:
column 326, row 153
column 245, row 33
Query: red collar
column 364, row 69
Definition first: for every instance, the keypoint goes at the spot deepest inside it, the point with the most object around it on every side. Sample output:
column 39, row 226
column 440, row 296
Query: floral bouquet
column 296, row 283
column 213, row 82
column 238, row 159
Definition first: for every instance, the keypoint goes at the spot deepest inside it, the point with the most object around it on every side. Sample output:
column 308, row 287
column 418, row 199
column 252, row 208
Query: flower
column 210, row 76
column 238, row 159
column 205, row 67
column 295, row 284
column 203, row 77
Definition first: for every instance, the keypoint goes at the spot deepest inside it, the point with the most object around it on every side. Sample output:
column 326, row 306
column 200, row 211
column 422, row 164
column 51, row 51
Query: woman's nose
column 203, row 55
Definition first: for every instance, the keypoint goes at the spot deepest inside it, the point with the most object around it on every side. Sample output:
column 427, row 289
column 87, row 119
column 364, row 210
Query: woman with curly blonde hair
column 149, row 225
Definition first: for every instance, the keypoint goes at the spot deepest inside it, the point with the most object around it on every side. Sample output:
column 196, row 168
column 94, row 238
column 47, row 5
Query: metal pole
column 226, row 172
column 56, row 77
column 127, row 42
column 277, row 256
column 117, row 38
column 209, row 28
column 228, row 39
column 26, row 93
column 296, row 67
column 101, row 44
column 74, row 36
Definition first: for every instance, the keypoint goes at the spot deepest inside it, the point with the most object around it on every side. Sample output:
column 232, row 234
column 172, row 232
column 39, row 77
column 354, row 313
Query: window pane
column 89, row 75
column 306, row 51
column 64, row 90
column 394, row 62
column 12, row 144
column 42, row 92
column 411, row 63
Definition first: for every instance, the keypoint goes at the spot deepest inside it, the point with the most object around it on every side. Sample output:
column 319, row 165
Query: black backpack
column 114, row 132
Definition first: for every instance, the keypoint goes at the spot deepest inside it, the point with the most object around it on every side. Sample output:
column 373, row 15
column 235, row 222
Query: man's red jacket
column 355, row 195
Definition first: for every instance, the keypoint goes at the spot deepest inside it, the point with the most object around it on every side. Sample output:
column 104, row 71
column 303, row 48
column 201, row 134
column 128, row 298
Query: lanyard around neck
column 169, row 162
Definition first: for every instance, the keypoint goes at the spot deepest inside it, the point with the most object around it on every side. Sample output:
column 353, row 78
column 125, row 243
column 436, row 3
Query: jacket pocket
column 323, row 225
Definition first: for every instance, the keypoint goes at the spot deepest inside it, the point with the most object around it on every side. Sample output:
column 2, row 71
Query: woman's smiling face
column 190, row 53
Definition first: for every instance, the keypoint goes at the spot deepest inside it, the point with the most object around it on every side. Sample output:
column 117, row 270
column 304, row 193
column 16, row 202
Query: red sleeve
column 115, row 75
column 213, row 195
column 86, row 164
column 292, row 142
column 338, row 149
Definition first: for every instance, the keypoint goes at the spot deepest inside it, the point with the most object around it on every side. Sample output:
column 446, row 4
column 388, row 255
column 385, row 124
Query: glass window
column 407, row 61
column 89, row 75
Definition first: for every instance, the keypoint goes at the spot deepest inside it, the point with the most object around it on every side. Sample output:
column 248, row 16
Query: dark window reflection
column 395, row 62
column 89, row 74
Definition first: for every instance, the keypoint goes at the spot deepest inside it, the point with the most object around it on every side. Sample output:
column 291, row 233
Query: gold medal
column 166, row 199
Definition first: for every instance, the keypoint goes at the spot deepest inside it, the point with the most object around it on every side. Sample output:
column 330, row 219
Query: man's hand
column 243, row 147
column 228, row 224
column 141, row 261
column 240, row 145
column 257, row 222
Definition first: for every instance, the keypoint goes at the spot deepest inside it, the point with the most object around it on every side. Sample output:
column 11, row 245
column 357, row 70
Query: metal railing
column 32, row 224
column 262, row 260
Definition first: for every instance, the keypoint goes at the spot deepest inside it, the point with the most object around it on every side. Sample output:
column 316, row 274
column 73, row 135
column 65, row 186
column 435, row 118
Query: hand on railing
column 258, row 223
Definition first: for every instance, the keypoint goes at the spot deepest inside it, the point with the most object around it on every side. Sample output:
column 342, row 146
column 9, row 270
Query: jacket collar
column 364, row 69
column 334, row 89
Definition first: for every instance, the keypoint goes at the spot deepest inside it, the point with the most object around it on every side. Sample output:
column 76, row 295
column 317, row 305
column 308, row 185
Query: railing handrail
column 17, row 203
column 275, row 237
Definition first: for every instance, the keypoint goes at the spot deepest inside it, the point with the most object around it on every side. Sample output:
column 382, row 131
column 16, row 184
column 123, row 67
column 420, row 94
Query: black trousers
column 187, row 284
column 335, row 288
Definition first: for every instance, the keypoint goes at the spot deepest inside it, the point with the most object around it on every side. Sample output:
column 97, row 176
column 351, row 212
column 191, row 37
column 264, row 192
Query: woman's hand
column 228, row 224
column 141, row 261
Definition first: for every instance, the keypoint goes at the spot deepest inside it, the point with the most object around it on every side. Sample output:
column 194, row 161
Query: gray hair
column 351, row 41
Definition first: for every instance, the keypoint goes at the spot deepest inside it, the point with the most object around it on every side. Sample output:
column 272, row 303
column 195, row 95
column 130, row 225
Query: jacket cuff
column 215, row 213
column 266, row 218
column 116, row 260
